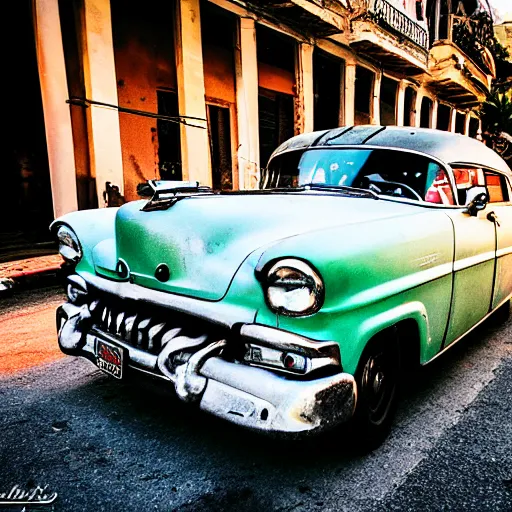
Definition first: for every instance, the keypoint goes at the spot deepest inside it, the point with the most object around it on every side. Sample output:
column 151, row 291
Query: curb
column 31, row 273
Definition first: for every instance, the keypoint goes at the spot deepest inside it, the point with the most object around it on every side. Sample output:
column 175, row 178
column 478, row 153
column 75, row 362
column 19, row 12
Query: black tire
column 502, row 314
column 378, row 380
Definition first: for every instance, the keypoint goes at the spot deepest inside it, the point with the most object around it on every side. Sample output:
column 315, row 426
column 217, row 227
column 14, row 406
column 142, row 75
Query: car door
column 474, row 259
column 500, row 209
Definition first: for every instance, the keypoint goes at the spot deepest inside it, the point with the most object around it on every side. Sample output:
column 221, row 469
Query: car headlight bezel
column 293, row 287
column 69, row 245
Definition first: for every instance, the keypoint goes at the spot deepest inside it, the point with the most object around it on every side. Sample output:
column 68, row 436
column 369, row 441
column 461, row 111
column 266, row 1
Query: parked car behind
column 296, row 308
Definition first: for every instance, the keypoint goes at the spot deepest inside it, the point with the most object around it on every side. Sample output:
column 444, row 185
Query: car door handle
column 491, row 216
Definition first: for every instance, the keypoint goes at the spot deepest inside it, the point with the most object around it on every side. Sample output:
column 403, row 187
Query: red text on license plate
column 109, row 358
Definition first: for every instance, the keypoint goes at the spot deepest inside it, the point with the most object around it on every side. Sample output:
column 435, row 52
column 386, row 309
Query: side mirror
column 476, row 200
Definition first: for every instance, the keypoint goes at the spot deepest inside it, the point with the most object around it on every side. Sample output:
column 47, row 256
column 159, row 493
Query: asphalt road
column 131, row 446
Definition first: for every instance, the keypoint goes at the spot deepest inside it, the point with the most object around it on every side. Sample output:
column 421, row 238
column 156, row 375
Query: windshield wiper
column 352, row 191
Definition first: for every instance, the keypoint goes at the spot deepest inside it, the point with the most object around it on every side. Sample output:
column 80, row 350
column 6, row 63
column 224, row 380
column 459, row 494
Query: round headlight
column 69, row 246
column 293, row 288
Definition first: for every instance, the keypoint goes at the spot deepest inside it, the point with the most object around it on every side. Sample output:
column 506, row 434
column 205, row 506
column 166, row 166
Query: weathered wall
column 275, row 79
column 219, row 73
column 145, row 61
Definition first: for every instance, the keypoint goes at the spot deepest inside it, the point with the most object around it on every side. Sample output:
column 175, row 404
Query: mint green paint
column 204, row 240
column 91, row 227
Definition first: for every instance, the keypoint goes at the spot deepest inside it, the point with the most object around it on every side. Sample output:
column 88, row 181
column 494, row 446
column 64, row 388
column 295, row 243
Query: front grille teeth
column 119, row 324
column 153, row 334
column 139, row 330
column 142, row 332
column 129, row 323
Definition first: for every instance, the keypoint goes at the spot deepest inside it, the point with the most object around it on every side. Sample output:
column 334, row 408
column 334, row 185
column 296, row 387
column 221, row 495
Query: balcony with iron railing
column 324, row 18
column 389, row 34
column 389, row 17
column 461, row 67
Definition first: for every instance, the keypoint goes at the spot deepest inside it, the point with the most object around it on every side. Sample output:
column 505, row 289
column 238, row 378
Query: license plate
column 109, row 358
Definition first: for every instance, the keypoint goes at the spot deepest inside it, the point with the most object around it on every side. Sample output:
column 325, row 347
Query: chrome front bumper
column 245, row 395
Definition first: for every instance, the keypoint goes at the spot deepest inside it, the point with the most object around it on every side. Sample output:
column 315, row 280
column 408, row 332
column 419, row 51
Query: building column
column 247, row 105
column 466, row 123
column 433, row 117
column 453, row 118
column 376, row 98
column 400, row 103
column 304, row 104
column 417, row 108
column 350, row 92
column 100, row 85
column 57, row 117
column 479, row 131
column 195, row 151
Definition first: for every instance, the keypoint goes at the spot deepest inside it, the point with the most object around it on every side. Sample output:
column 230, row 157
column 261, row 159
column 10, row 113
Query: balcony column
column 195, row 151
column 101, row 85
column 246, row 66
column 417, row 109
column 435, row 107
column 57, row 117
column 453, row 118
column 466, row 123
column 400, row 103
column 376, row 99
column 350, row 92
column 304, row 104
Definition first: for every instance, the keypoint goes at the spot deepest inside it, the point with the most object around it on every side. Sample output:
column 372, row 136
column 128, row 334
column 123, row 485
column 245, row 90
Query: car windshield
column 382, row 171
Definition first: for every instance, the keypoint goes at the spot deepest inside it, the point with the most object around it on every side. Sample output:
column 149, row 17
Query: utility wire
column 85, row 102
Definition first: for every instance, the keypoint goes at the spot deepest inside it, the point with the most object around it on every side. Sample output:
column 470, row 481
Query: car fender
column 414, row 311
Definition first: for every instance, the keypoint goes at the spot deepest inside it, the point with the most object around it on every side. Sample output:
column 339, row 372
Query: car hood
column 204, row 240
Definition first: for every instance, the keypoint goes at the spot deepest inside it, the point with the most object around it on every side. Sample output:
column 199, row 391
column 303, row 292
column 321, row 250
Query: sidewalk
column 21, row 271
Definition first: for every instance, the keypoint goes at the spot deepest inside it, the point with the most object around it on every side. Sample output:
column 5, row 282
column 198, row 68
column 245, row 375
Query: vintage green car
column 296, row 307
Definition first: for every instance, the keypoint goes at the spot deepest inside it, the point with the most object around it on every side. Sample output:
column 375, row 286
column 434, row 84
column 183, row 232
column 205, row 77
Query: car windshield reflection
column 381, row 171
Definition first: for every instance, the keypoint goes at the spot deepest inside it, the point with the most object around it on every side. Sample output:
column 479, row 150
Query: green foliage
column 472, row 33
column 497, row 114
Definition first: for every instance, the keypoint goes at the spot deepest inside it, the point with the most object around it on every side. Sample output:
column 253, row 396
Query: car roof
column 448, row 147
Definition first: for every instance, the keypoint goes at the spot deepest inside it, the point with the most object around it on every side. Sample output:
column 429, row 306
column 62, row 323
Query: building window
column 218, row 37
column 426, row 112
column 388, row 91
column 276, row 80
column 409, row 106
column 444, row 114
column 275, row 121
column 437, row 13
column 460, row 122
column 169, row 149
column 219, row 132
column 327, row 76
column 363, row 95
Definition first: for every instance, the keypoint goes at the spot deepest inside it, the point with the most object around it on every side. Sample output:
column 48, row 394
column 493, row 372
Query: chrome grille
column 145, row 327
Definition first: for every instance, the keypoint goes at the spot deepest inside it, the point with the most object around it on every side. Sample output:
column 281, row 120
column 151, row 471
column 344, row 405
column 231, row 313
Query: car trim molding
column 472, row 261
column 504, row 252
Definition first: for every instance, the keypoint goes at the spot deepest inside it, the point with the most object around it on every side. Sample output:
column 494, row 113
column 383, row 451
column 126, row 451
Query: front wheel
column 377, row 379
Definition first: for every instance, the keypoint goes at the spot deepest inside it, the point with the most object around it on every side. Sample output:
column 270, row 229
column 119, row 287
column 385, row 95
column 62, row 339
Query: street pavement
column 108, row 445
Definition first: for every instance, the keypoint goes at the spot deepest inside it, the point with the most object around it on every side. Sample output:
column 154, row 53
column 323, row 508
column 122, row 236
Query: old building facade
column 206, row 89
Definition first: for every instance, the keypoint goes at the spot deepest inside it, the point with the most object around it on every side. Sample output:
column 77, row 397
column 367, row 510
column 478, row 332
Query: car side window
column 465, row 179
column 496, row 187
column 495, row 183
